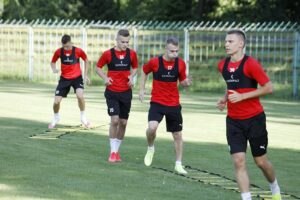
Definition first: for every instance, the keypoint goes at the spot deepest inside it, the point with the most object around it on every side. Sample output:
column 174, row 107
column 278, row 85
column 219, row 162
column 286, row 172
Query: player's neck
column 118, row 49
column 166, row 58
column 237, row 57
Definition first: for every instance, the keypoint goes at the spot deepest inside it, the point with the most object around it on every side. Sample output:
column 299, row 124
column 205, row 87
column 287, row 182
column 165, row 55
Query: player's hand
column 234, row 96
column 87, row 80
column 221, row 104
column 108, row 81
column 55, row 71
column 189, row 80
column 130, row 81
column 141, row 95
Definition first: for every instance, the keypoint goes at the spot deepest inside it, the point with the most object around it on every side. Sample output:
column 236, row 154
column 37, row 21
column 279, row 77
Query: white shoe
column 179, row 169
column 86, row 123
column 149, row 157
column 54, row 122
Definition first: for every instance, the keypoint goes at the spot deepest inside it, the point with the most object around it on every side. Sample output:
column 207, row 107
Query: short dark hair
column 65, row 39
column 238, row 32
column 123, row 32
column 173, row 40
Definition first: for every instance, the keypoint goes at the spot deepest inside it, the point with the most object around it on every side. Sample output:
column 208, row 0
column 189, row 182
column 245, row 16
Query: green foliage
column 166, row 10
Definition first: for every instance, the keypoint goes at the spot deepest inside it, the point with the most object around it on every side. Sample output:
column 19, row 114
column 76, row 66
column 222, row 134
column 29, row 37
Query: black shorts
column 118, row 103
column 254, row 130
column 64, row 85
column 173, row 116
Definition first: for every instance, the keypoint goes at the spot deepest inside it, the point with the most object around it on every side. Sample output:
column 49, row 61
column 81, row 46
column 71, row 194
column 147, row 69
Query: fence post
column 83, row 46
column 135, row 39
column 186, row 56
column 296, row 64
column 135, row 47
column 30, row 53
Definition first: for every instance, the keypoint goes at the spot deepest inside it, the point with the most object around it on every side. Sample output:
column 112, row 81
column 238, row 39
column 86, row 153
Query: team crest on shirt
column 122, row 57
column 231, row 69
column 169, row 67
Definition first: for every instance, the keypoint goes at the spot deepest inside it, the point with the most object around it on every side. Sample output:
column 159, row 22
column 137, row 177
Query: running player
column 246, row 120
column 122, row 66
column 167, row 70
column 71, row 75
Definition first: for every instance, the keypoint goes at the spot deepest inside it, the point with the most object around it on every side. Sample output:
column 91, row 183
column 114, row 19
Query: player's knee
column 177, row 136
column 57, row 102
column 122, row 122
column 261, row 163
column 114, row 121
column 152, row 128
column 239, row 162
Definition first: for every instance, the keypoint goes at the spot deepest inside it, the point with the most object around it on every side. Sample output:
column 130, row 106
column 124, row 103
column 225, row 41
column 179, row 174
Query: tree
column 33, row 9
column 100, row 9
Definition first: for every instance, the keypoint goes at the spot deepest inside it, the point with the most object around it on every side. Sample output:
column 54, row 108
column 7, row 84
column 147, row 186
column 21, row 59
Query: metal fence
column 27, row 47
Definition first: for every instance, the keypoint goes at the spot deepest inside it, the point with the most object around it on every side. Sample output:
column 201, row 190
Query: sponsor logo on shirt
column 169, row 75
column 68, row 60
column 232, row 79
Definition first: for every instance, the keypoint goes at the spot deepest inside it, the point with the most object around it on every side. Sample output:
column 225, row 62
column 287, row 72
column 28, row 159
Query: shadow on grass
column 76, row 167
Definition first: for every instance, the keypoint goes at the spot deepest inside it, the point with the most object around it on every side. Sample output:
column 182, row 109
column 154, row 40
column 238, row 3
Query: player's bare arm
column 107, row 80
column 86, row 69
column 131, row 77
column 187, row 82
column 235, row 97
column 53, row 67
column 142, row 86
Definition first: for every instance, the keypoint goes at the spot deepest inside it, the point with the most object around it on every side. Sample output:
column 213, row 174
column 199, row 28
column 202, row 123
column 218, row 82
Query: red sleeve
column 81, row 54
column 220, row 65
column 253, row 69
column 56, row 55
column 104, row 59
column 151, row 66
column 134, row 60
column 182, row 70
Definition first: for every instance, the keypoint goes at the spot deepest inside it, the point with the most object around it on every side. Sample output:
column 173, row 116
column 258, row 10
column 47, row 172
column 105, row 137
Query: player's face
column 172, row 51
column 67, row 46
column 233, row 44
column 122, row 42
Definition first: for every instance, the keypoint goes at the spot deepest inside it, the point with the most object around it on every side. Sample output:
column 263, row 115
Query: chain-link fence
column 27, row 47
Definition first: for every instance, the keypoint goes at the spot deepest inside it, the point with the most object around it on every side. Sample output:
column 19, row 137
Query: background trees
column 164, row 10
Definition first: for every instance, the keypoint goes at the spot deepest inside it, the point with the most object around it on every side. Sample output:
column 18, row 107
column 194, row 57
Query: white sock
column 118, row 144
column 83, row 117
column 113, row 145
column 151, row 148
column 56, row 118
column 246, row 196
column 178, row 162
column 274, row 187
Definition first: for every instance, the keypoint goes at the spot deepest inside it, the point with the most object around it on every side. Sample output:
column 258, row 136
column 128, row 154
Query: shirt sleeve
column 254, row 70
column 82, row 54
column 220, row 65
column 104, row 59
column 134, row 59
column 182, row 70
column 150, row 66
column 55, row 56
